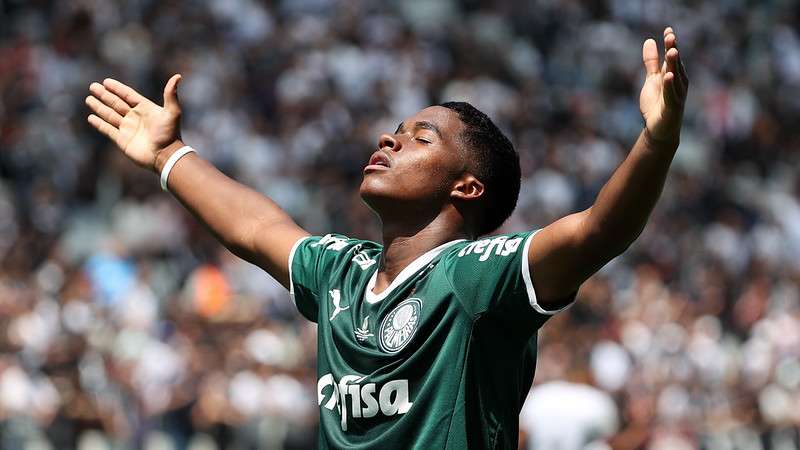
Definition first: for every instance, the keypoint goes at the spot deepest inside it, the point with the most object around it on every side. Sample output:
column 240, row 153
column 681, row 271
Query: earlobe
column 468, row 188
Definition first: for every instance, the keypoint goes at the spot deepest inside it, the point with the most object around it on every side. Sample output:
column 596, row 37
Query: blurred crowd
column 123, row 324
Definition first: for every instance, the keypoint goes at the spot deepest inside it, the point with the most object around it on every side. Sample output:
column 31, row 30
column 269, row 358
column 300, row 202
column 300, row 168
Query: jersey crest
column 399, row 326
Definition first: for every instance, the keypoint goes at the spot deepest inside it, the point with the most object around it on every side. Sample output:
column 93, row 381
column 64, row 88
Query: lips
column 378, row 161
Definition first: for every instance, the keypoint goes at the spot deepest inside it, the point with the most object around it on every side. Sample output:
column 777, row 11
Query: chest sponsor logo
column 399, row 326
column 500, row 246
column 353, row 398
column 336, row 299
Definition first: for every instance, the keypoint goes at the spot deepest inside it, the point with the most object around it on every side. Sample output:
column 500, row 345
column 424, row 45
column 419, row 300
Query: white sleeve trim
column 526, row 275
column 291, row 259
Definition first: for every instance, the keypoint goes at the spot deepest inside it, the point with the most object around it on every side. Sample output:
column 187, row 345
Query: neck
column 402, row 244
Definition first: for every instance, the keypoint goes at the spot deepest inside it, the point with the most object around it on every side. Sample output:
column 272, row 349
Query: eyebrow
column 425, row 125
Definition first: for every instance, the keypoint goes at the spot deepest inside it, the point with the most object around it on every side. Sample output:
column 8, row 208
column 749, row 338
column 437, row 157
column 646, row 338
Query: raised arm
column 249, row 224
column 567, row 252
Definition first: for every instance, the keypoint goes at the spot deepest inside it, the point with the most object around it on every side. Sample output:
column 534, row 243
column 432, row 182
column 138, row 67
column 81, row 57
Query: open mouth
column 378, row 161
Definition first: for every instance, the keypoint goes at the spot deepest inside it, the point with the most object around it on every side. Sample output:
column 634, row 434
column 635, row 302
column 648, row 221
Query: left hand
column 663, row 95
column 141, row 129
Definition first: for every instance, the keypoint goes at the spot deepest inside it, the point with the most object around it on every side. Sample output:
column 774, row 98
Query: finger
column 683, row 77
column 109, row 99
column 103, row 127
column 103, row 111
column 671, row 60
column 124, row 92
column 650, row 56
column 673, row 63
column 671, row 95
column 171, row 94
column 682, row 73
column 670, row 41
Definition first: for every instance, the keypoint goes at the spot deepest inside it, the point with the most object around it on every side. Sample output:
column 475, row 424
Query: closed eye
column 424, row 141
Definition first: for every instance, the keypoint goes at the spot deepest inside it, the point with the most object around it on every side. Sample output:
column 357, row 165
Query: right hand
column 663, row 95
column 139, row 127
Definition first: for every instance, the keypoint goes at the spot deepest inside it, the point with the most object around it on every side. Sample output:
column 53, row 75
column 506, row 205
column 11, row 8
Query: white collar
column 404, row 274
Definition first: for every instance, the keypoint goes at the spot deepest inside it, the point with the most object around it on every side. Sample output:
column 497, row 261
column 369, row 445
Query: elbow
column 619, row 248
column 238, row 248
column 239, row 241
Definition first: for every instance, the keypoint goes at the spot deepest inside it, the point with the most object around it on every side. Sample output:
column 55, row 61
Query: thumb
column 171, row 94
column 650, row 56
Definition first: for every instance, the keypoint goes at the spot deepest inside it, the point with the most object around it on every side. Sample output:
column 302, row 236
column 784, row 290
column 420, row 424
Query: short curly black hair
column 493, row 161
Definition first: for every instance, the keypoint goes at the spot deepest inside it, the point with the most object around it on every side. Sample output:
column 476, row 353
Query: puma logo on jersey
column 336, row 298
column 500, row 246
column 363, row 333
column 331, row 242
column 392, row 398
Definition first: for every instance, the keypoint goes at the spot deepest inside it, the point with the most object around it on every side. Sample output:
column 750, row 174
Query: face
column 416, row 167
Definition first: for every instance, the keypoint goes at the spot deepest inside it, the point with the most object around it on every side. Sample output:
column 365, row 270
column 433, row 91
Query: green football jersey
column 442, row 358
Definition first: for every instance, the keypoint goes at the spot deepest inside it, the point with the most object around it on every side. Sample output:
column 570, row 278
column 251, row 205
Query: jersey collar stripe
column 404, row 274
column 291, row 258
column 526, row 275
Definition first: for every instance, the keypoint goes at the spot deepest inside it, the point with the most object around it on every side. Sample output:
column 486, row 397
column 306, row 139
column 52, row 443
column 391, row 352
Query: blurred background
column 124, row 325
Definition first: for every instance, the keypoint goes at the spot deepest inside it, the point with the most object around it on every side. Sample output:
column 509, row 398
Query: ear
column 467, row 188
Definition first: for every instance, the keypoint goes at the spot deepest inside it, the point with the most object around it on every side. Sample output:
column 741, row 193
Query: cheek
column 425, row 178
column 437, row 176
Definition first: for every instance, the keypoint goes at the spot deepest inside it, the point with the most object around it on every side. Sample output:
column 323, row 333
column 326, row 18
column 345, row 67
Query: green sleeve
column 492, row 276
column 311, row 260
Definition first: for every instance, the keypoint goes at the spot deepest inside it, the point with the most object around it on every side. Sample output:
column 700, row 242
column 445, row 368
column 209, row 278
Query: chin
column 380, row 195
column 373, row 194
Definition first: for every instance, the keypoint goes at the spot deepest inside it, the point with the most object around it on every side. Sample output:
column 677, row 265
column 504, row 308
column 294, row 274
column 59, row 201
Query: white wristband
column 180, row 153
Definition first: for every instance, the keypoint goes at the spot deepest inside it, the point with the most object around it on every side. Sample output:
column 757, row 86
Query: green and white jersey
column 443, row 358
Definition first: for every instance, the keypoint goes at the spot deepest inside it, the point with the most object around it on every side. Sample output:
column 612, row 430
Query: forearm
column 623, row 206
column 249, row 224
column 567, row 252
column 234, row 213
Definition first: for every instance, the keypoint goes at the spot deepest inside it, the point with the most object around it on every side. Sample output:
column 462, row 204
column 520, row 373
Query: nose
column 389, row 142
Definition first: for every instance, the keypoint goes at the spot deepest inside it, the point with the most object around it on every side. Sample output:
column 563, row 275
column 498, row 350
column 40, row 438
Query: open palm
column 664, row 92
column 139, row 127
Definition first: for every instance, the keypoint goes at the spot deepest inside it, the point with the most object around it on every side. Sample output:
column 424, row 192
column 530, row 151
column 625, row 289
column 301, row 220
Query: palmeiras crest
column 399, row 326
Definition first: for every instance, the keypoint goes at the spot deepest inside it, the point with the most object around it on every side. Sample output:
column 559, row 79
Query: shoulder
column 498, row 247
column 336, row 249
column 488, row 274
column 338, row 243
column 484, row 264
